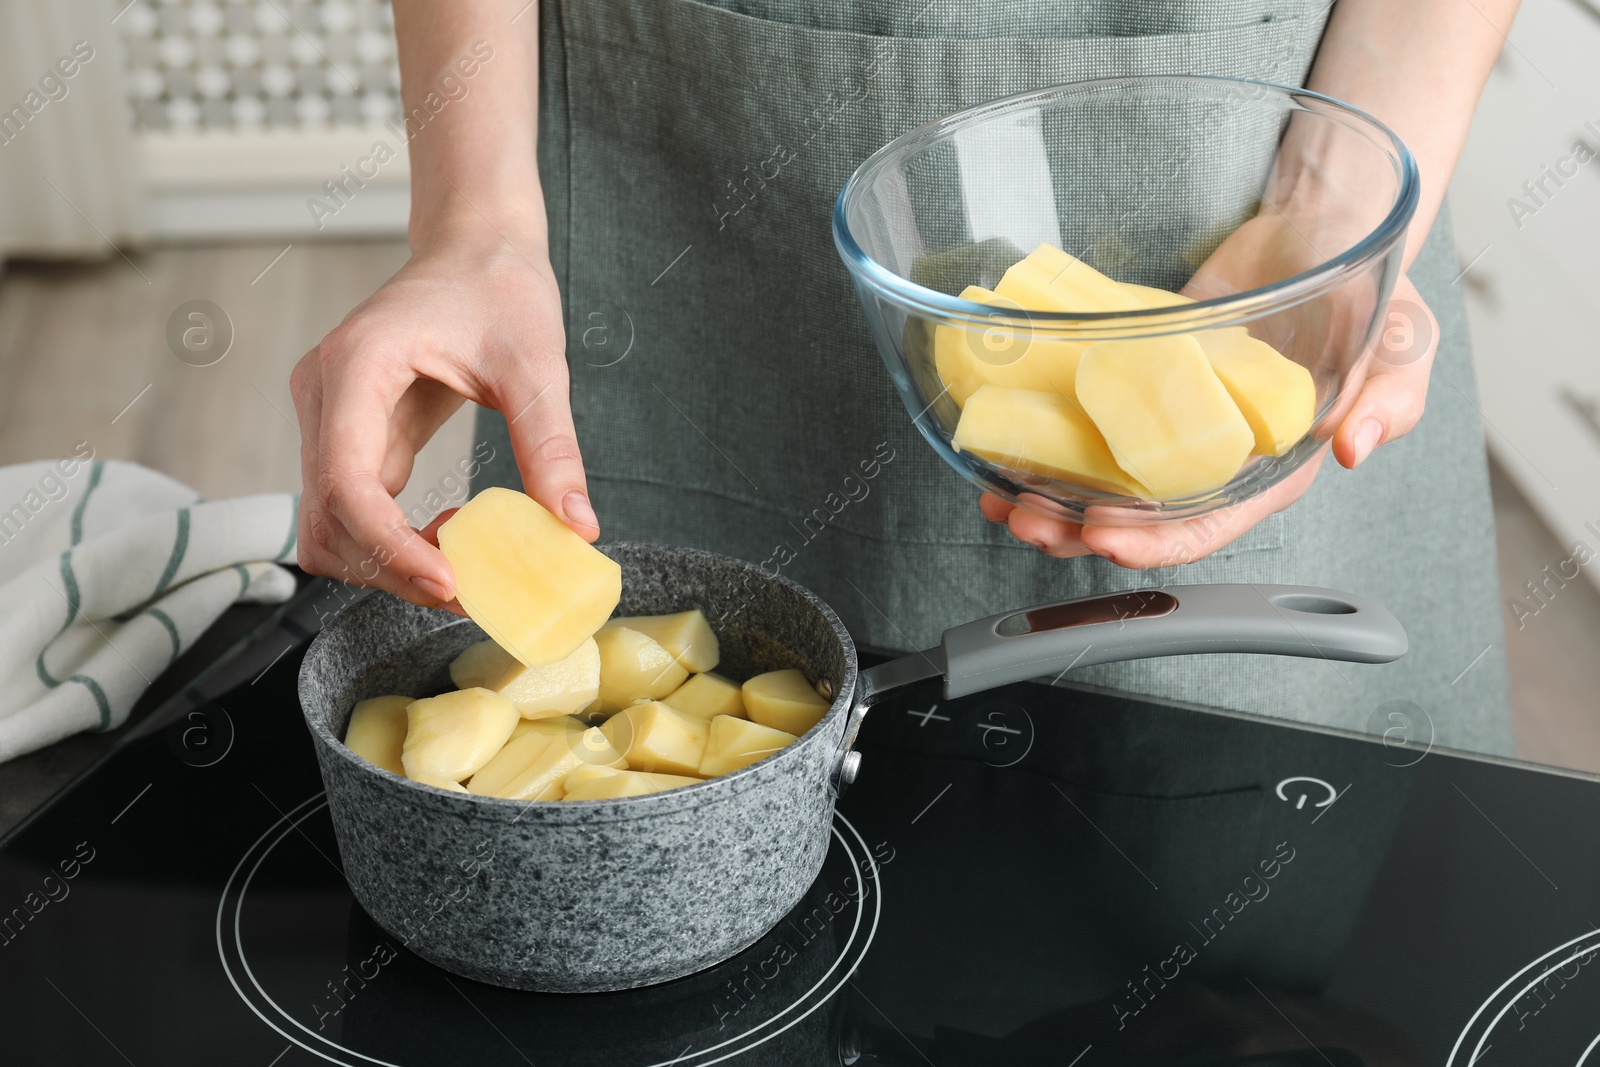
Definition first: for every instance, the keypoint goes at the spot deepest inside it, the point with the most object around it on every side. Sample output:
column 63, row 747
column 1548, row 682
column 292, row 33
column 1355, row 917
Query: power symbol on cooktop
column 1314, row 784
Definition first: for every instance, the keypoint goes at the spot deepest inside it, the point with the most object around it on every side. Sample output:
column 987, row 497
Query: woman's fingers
column 361, row 385
column 1054, row 537
column 1388, row 405
column 452, row 325
column 1392, row 398
column 539, row 416
column 424, row 407
column 312, row 535
column 1171, row 544
column 1144, row 547
column 995, row 509
column 430, row 534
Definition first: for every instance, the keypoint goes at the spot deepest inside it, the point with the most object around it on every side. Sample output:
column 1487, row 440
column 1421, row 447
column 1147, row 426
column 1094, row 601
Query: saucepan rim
column 829, row 731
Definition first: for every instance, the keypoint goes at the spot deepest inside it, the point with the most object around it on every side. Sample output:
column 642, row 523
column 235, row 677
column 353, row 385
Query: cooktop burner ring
column 236, row 890
column 1583, row 949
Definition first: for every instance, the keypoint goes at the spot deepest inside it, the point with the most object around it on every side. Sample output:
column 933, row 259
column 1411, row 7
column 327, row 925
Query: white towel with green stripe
column 108, row 572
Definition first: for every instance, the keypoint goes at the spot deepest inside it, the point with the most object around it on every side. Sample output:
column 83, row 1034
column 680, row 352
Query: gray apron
column 727, row 394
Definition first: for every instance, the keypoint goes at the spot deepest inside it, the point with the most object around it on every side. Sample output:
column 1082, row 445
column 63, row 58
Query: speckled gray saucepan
column 615, row 894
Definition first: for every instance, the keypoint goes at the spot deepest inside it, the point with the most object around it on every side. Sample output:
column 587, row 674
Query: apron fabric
column 728, row 396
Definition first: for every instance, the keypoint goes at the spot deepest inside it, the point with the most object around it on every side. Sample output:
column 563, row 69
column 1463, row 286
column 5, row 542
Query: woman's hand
column 469, row 316
column 1389, row 404
column 1417, row 67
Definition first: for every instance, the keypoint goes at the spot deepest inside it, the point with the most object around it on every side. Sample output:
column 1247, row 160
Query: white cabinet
column 1526, row 203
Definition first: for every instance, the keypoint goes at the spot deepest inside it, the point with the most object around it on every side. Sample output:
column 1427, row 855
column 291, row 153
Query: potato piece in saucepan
column 534, row 586
column 484, row 665
column 626, row 784
column 377, row 731
column 705, row 696
column 589, row 772
column 555, row 724
column 560, row 688
column 580, row 777
column 634, row 666
column 734, row 743
column 685, row 634
column 784, row 700
column 535, row 766
column 518, row 755
column 451, row 736
column 653, row 737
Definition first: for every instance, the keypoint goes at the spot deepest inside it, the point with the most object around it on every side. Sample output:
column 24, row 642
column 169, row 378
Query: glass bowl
column 1282, row 211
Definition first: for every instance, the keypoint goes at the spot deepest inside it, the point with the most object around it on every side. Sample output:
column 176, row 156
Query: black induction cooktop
column 1032, row 876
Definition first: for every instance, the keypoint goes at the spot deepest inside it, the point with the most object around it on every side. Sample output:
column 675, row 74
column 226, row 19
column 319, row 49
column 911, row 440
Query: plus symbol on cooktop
column 926, row 715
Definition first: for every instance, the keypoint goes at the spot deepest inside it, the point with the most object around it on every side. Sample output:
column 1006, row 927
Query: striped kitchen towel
column 109, row 571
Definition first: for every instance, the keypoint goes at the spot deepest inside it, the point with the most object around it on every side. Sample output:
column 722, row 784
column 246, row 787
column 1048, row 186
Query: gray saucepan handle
column 1281, row 620
column 1180, row 620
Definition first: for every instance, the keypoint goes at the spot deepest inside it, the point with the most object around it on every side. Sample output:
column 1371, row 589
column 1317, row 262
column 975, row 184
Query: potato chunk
column 1275, row 394
column 451, row 736
column 626, row 784
column 1048, row 279
column 589, row 772
column 1166, row 415
column 634, row 667
column 519, row 755
column 784, row 700
column 734, row 743
column 705, row 696
column 484, row 665
column 535, row 766
column 377, row 731
column 1157, row 298
column 560, row 688
column 685, row 634
column 534, row 586
column 1005, row 354
column 653, row 737
column 553, row 725
column 1040, row 433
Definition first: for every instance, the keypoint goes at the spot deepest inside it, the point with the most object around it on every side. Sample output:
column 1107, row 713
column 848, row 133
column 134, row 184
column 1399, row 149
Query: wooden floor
column 84, row 356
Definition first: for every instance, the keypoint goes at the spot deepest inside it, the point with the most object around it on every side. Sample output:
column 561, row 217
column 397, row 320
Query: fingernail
column 431, row 588
column 1036, row 544
column 579, row 510
column 1366, row 439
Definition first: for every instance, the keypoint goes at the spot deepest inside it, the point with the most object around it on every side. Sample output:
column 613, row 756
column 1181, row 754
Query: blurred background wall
column 242, row 153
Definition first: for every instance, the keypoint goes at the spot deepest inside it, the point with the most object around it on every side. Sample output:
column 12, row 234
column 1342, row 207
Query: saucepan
column 587, row 896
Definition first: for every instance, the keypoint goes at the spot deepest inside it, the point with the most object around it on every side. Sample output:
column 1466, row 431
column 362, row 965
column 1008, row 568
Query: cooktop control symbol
column 1314, row 787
